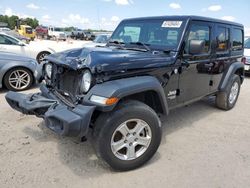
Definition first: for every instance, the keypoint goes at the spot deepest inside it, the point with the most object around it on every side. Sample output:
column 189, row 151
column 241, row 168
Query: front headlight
column 48, row 70
column 86, row 82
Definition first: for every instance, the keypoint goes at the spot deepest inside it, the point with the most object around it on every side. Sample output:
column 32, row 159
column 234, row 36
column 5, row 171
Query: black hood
column 102, row 59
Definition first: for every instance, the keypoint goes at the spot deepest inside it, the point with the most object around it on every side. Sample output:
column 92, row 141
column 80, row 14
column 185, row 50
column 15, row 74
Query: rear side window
column 199, row 32
column 237, row 39
column 222, row 39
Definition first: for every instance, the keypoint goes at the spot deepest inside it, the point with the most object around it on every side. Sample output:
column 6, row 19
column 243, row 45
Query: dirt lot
column 201, row 147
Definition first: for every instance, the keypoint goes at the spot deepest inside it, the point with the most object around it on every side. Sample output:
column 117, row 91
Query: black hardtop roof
column 189, row 17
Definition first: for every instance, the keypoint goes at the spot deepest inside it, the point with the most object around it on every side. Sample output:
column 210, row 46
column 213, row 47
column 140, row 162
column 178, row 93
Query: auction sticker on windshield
column 171, row 24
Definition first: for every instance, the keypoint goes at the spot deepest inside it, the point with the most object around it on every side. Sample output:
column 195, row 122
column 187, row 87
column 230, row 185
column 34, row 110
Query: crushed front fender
column 60, row 118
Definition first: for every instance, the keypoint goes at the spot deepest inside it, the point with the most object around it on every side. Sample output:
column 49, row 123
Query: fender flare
column 233, row 68
column 125, row 87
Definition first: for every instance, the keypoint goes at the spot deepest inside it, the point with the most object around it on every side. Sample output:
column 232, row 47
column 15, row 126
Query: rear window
column 237, row 39
column 222, row 39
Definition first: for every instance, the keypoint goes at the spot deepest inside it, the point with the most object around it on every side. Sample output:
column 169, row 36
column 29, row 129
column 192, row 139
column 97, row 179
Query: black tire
column 41, row 56
column 223, row 97
column 10, row 74
column 107, row 123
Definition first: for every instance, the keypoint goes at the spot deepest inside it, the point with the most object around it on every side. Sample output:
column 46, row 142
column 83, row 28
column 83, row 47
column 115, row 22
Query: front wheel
column 227, row 99
column 127, row 137
column 40, row 57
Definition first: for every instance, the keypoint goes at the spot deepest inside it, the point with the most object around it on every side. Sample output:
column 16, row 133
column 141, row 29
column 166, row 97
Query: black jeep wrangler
column 120, row 91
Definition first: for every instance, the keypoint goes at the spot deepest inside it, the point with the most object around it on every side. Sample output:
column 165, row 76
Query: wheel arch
column 44, row 51
column 234, row 68
column 146, row 89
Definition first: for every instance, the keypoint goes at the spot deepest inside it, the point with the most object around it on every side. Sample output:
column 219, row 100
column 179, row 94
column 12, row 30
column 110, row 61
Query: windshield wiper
column 141, row 44
column 118, row 43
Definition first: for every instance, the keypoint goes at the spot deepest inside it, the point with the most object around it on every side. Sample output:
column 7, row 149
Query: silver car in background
column 17, row 72
column 246, row 59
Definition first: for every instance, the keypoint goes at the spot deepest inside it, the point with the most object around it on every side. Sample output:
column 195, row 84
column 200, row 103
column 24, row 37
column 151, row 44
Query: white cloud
column 115, row 18
column 214, row 8
column 124, row 2
column 228, row 18
column 46, row 18
column 109, row 24
column 121, row 2
column 32, row 6
column 174, row 5
column 76, row 20
column 8, row 12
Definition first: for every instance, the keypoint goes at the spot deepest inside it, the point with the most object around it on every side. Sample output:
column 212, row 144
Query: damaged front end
column 61, row 118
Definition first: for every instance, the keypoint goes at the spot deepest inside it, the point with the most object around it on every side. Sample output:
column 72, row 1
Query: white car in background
column 247, row 55
column 100, row 40
column 11, row 44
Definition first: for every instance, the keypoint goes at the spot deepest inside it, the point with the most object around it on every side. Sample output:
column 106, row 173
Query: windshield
column 28, row 30
column 101, row 39
column 247, row 43
column 159, row 34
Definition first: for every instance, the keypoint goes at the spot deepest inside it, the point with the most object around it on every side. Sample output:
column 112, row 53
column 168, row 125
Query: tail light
column 244, row 60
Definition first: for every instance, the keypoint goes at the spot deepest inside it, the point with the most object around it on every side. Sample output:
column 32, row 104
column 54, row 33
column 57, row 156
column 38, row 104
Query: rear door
column 194, row 80
column 221, row 54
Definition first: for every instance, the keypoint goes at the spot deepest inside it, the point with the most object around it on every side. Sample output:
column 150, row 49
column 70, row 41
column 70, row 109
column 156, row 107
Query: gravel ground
column 201, row 147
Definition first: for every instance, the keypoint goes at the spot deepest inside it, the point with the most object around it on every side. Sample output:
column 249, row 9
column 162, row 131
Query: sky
column 106, row 14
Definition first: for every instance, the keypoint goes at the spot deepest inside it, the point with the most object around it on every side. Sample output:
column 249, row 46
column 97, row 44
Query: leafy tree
column 13, row 20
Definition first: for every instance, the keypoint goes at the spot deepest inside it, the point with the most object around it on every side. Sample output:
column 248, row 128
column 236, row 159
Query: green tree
column 12, row 21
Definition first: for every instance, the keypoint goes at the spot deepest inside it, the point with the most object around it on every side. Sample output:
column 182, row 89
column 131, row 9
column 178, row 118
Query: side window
column 222, row 39
column 199, row 32
column 130, row 34
column 237, row 39
column 5, row 40
column 2, row 40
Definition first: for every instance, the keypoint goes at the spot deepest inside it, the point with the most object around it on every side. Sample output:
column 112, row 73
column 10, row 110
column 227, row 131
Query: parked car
column 3, row 29
column 246, row 59
column 56, row 33
column 17, row 35
column 78, row 34
column 149, row 67
column 26, row 31
column 17, row 72
column 12, row 44
column 89, row 35
column 100, row 40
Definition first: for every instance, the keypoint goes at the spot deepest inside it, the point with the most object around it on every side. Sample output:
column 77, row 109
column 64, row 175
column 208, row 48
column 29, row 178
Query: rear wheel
column 227, row 99
column 127, row 137
column 18, row 79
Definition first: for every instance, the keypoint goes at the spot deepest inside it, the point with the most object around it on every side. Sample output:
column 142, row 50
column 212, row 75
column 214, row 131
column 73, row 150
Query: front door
column 9, row 44
column 195, row 77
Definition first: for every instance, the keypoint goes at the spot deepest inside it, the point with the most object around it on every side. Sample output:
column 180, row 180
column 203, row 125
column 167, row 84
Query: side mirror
column 196, row 47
